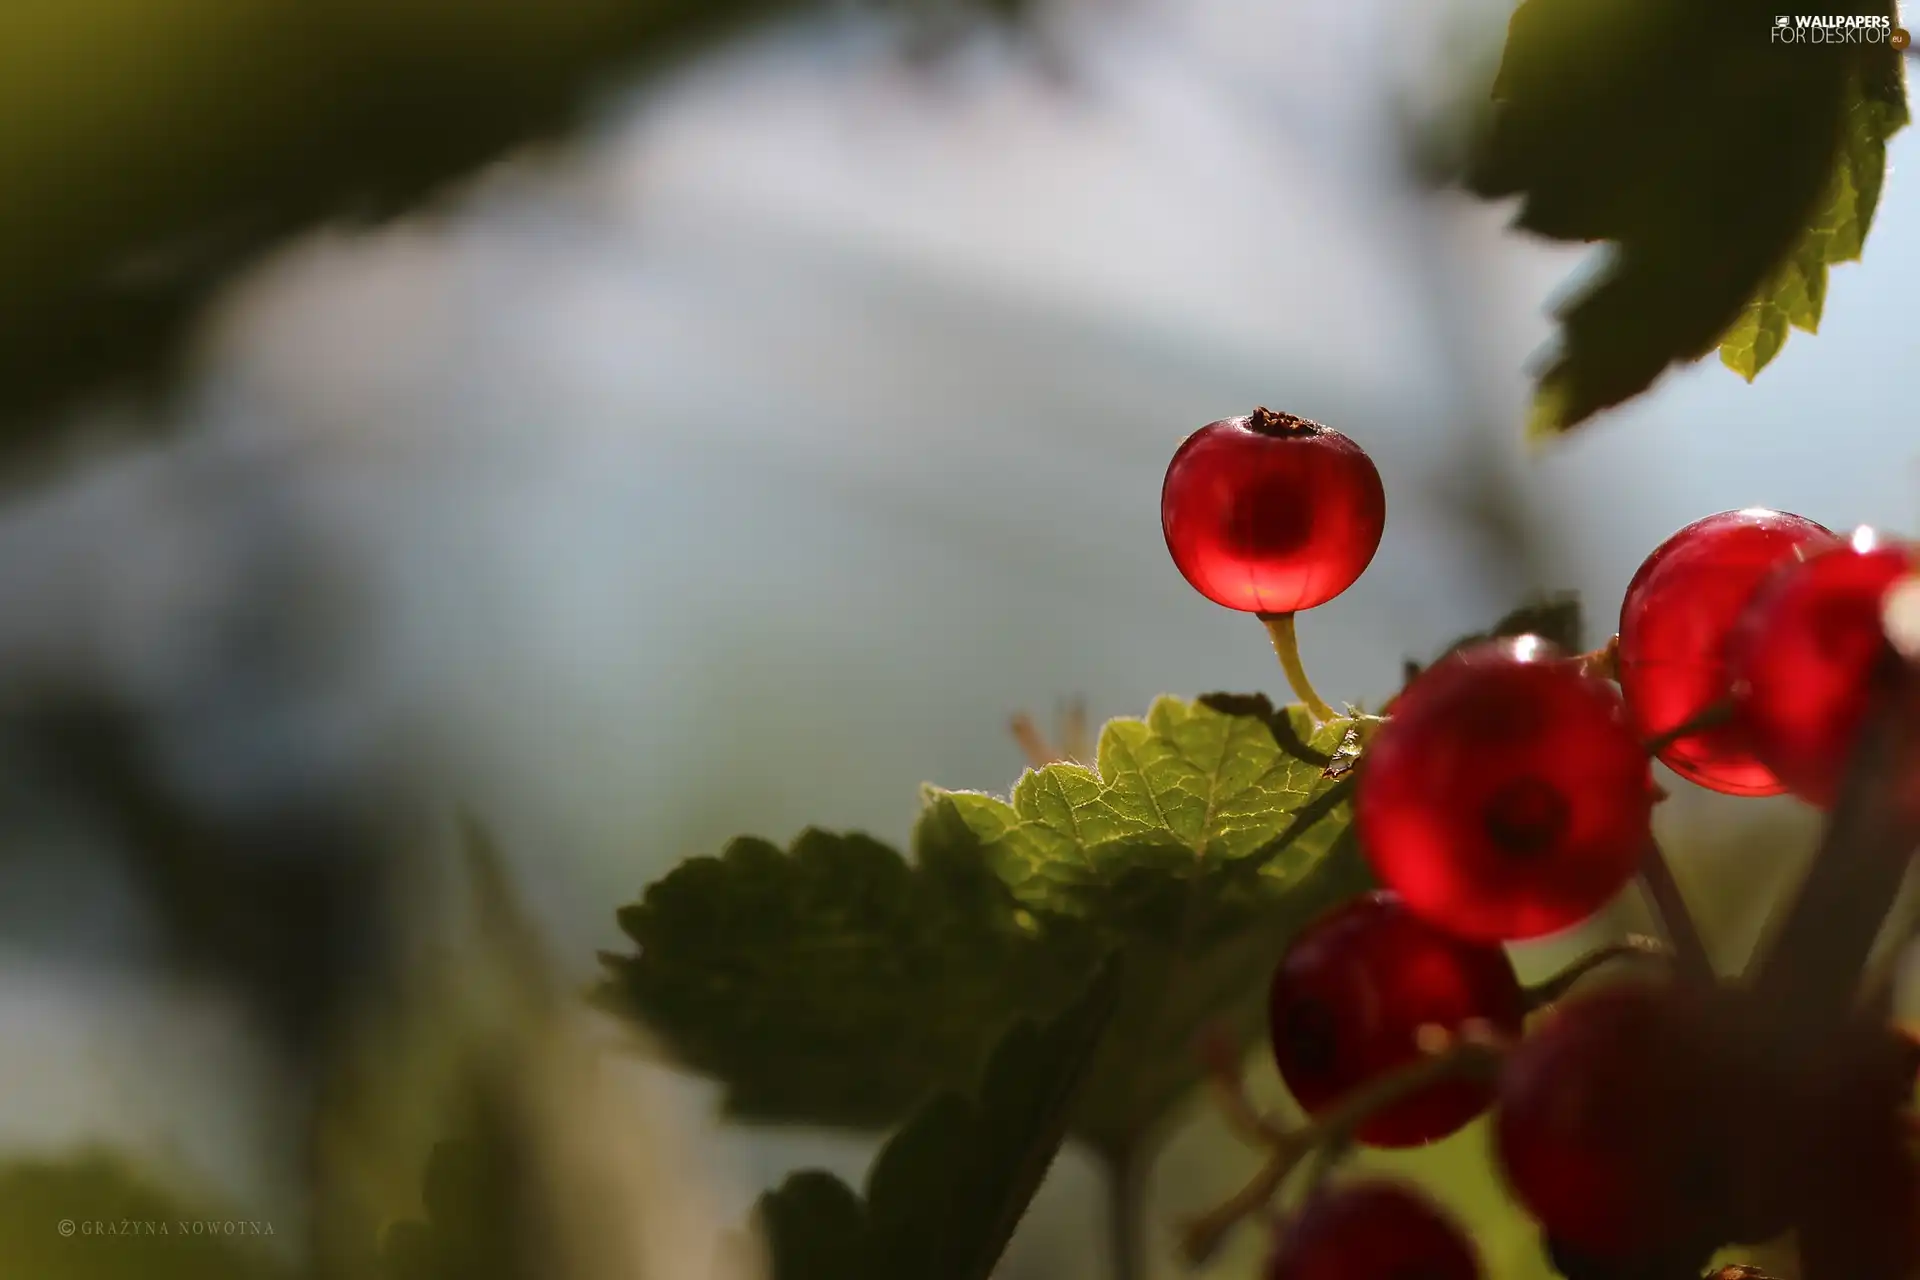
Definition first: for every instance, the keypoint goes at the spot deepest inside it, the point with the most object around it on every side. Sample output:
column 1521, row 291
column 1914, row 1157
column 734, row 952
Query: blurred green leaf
column 470, row 1231
column 1683, row 136
column 1793, row 295
column 151, row 149
column 1197, row 849
column 93, row 1218
column 836, row 983
column 946, row 1192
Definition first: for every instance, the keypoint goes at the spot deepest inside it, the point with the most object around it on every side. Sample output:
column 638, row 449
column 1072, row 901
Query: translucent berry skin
column 1349, row 999
column 1804, row 657
column 1507, row 796
column 1675, row 621
column 1271, row 513
column 1603, row 1129
column 1374, row 1230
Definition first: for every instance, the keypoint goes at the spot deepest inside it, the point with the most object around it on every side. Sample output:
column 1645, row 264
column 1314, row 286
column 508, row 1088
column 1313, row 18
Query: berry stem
column 1286, row 644
column 1603, row 662
column 1710, row 717
column 1689, row 951
column 1220, row 1059
column 1633, row 946
column 1463, row 1057
column 1126, row 1173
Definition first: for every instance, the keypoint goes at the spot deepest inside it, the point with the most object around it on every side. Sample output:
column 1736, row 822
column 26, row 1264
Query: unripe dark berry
column 1348, row 1003
column 1603, row 1125
column 1271, row 513
column 1374, row 1230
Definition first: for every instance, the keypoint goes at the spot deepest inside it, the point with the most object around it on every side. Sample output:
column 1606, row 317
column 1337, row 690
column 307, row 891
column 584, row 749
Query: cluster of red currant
column 1508, row 794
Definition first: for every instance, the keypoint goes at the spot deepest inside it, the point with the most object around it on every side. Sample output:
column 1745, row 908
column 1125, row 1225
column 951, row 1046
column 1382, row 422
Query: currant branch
column 1815, row 962
column 1676, row 919
column 1634, row 946
column 1714, row 716
column 1471, row 1054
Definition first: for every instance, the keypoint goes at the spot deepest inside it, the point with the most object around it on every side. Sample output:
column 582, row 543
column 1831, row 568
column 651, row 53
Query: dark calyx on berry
column 1351, row 998
column 1268, row 423
column 1271, row 513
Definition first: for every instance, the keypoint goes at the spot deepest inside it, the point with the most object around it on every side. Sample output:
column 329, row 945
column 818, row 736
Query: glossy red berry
column 1375, row 1230
column 1507, row 796
column 1805, row 655
column 1348, row 1001
column 1271, row 513
column 1602, row 1126
column 1675, row 621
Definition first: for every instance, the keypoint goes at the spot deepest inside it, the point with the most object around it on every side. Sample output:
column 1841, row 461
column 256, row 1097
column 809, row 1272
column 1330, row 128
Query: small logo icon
column 1900, row 39
column 1782, row 20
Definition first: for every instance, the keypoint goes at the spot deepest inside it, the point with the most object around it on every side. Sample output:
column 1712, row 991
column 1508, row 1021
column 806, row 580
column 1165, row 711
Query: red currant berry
column 1271, row 513
column 1348, row 1001
column 1687, row 1262
column 1373, row 1230
column 1602, row 1125
column 1679, row 610
column 1852, row 1115
column 1506, row 797
column 1867, row 1224
column 1805, row 656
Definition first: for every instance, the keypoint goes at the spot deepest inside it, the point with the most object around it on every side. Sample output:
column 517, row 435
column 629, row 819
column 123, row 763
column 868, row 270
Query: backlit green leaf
column 1704, row 155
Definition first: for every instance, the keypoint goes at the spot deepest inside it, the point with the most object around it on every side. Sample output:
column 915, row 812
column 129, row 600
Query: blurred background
column 743, row 457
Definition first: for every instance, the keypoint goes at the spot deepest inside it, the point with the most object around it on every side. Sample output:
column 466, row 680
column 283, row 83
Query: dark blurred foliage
column 101, row 1199
column 1609, row 122
column 149, row 149
column 288, row 904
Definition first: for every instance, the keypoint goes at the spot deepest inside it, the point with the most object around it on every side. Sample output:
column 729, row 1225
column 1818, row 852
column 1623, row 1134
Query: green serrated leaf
column 945, row 1194
column 1795, row 293
column 1699, row 150
column 1188, row 790
column 835, row 983
column 1199, row 846
column 839, row 983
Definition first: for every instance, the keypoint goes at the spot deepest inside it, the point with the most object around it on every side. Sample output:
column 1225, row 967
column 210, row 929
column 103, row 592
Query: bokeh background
column 743, row 458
